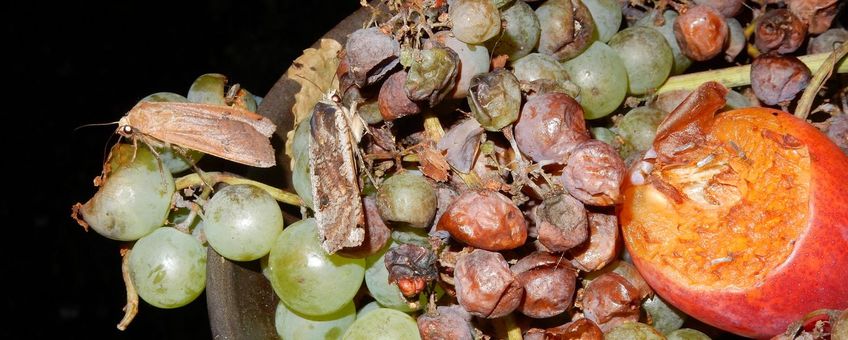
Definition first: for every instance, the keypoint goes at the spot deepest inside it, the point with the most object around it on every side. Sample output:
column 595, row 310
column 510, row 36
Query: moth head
column 124, row 127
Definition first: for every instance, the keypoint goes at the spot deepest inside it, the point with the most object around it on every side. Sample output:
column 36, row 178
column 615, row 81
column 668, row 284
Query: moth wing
column 212, row 129
column 335, row 185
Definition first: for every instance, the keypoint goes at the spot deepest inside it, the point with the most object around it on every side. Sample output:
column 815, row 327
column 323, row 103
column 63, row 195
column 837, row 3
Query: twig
column 222, row 177
column 822, row 73
column 737, row 75
column 131, row 308
column 506, row 328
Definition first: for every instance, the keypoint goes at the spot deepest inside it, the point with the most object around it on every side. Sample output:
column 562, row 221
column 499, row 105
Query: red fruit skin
column 814, row 276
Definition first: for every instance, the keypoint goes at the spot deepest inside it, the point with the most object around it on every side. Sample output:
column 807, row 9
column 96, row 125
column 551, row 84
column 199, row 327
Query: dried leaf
column 433, row 164
column 315, row 71
column 462, row 143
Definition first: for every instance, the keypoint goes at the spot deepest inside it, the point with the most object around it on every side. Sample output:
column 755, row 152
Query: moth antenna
column 107, row 156
column 94, row 124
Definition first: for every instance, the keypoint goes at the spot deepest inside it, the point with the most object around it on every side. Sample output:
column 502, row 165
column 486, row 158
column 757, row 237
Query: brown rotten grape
column 701, row 32
column 370, row 54
column 593, row 173
column 485, row 286
column 603, row 245
column 777, row 79
column 485, row 219
column 446, row 323
column 551, row 125
column 610, row 300
column 779, row 30
column 548, row 283
column 392, row 100
column 561, row 222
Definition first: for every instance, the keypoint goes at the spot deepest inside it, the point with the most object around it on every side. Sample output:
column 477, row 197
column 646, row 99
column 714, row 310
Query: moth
column 335, row 132
column 223, row 131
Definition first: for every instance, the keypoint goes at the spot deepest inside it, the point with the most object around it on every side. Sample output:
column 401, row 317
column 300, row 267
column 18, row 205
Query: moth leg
column 149, row 143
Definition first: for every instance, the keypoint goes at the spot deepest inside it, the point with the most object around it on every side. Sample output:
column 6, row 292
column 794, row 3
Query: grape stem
column 131, row 308
column 821, row 75
column 507, row 329
column 280, row 195
column 739, row 75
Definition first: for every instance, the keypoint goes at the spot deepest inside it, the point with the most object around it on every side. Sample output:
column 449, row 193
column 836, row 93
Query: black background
column 74, row 63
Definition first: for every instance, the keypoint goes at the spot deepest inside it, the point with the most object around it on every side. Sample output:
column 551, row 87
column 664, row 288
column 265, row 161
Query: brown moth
column 335, row 133
column 227, row 132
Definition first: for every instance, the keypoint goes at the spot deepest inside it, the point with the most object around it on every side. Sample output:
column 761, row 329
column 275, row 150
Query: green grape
column 538, row 66
column 168, row 268
column 175, row 161
column 368, row 308
column 293, row 326
column 306, row 278
column 165, row 97
column 383, row 324
column 208, row 89
column 301, row 181
column 605, row 135
column 601, row 77
column 637, row 129
column 646, row 56
column 607, row 17
column 665, row 318
column 134, row 199
column 688, row 334
column 474, row 21
column 633, row 331
column 521, row 33
column 377, row 279
column 681, row 61
column 407, row 198
column 242, row 221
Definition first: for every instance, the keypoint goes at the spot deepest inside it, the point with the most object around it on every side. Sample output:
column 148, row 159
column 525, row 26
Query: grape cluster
column 498, row 133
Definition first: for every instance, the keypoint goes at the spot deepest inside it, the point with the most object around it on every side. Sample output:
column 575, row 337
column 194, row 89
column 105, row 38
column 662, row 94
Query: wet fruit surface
column 728, row 227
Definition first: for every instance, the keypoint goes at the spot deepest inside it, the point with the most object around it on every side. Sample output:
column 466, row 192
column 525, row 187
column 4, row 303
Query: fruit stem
column 506, row 328
column 822, row 73
column 738, row 75
column 131, row 308
column 222, row 177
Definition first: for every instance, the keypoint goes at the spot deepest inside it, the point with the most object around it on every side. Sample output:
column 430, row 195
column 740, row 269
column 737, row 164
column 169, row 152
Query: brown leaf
column 433, row 164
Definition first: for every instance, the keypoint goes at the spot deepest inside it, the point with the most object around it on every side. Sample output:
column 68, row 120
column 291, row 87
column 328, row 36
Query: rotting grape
column 474, row 21
column 550, row 127
column 133, row 199
column 495, row 99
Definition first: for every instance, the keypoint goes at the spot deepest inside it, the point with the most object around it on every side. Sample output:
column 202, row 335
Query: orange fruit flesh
column 726, row 212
